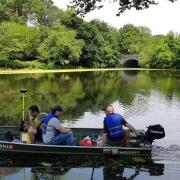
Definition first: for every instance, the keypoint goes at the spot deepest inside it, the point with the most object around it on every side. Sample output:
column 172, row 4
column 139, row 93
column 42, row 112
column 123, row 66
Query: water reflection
column 81, row 168
column 48, row 173
column 142, row 97
column 169, row 154
column 85, row 92
column 129, row 75
column 4, row 171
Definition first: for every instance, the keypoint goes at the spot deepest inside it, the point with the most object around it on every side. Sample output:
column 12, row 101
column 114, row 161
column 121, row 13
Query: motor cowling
column 154, row 132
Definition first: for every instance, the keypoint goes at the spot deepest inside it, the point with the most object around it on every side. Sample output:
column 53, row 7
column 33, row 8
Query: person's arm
column 30, row 120
column 126, row 124
column 59, row 127
column 64, row 130
column 105, row 133
column 40, row 120
column 133, row 129
column 104, row 138
column 37, row 123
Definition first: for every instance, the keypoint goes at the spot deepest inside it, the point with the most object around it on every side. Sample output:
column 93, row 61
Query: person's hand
column 137, row 133
column 68, row 130
column 30, row 116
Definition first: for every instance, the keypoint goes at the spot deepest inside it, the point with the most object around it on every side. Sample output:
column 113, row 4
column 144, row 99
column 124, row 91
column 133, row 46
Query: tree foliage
column 129, row 35
column 39, row 12
column 17, row 41
column 101, row 49
column 85, row 6
column 60, row 46
column 36, row 33
column 161, row 52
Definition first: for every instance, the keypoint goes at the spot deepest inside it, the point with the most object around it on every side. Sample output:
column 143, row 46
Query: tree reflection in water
column 48, row 173
column 57, row 167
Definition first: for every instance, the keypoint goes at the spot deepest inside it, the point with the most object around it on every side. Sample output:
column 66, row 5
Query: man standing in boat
column 53, row 131
column 113, row 132
column 36, row 119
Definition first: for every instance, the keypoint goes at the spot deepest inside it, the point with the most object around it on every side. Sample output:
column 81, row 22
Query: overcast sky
column 160, row 19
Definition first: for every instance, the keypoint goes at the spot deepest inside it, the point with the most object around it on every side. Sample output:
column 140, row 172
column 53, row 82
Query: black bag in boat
column 154, row 132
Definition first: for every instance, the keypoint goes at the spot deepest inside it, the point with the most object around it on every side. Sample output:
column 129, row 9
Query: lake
column 143, row 97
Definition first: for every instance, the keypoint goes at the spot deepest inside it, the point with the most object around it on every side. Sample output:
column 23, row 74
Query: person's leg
column 32, row 133
column 70, row 139
column 125, row 139
column 64, row 138
column 114, row 143
column 38, row 136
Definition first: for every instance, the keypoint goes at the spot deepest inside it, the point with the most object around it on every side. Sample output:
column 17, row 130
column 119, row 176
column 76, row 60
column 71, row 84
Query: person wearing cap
column 35, row 120
column 52, row 130
column 113, row 132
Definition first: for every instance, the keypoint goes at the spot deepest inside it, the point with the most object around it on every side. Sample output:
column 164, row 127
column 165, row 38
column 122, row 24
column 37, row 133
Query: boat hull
column 37, row 149
column 15, row 148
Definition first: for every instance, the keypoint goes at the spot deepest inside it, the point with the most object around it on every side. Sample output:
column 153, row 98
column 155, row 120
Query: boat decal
column 129, row 152
column 117, row 151
column 6, row 146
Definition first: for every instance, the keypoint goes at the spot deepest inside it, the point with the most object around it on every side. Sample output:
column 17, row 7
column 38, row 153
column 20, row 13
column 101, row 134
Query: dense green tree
column 131, row 38
column 128, row 36
column 71, row 20
column 161, row 52
column 14, row 10
column 43, row 12
column 62, row 38
column 101, row 49
column 39, row 12
column 16, row 42
column 162, row 57
column 60, row 46
column 173, row 41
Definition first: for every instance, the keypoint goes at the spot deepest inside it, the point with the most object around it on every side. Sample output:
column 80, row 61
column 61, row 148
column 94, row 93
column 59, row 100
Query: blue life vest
column 114, row 124
column 45, row 124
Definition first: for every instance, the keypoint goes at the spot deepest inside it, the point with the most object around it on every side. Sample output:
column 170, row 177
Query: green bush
column 17, row 64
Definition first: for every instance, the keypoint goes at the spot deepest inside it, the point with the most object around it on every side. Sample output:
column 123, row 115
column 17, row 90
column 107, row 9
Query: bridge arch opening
column 131, row 63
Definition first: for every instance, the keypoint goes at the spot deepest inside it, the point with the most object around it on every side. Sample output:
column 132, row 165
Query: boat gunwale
column 84, row 147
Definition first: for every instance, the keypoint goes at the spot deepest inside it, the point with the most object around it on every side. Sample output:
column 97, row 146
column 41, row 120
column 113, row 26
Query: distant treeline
column 37, row 34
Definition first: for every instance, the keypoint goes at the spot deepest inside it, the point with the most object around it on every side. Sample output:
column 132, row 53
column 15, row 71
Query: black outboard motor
column 154, row 132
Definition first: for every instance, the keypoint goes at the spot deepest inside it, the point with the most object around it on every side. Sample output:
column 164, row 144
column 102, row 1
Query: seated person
column 35, row 120
column 52, row 130
column 113, row 132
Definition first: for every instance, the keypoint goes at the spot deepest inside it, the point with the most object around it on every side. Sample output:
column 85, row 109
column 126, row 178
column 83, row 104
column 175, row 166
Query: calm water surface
column 142, row 97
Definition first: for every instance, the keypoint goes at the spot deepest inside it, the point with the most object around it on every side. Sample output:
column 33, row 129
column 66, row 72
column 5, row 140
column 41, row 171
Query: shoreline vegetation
column 34, row 71
column 37, row 34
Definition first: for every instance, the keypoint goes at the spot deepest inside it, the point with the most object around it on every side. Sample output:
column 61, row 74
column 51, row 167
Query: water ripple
column 139, row 106
column 170, row 154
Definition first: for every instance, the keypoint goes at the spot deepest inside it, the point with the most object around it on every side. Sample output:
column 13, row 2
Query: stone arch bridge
column 130, row 60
